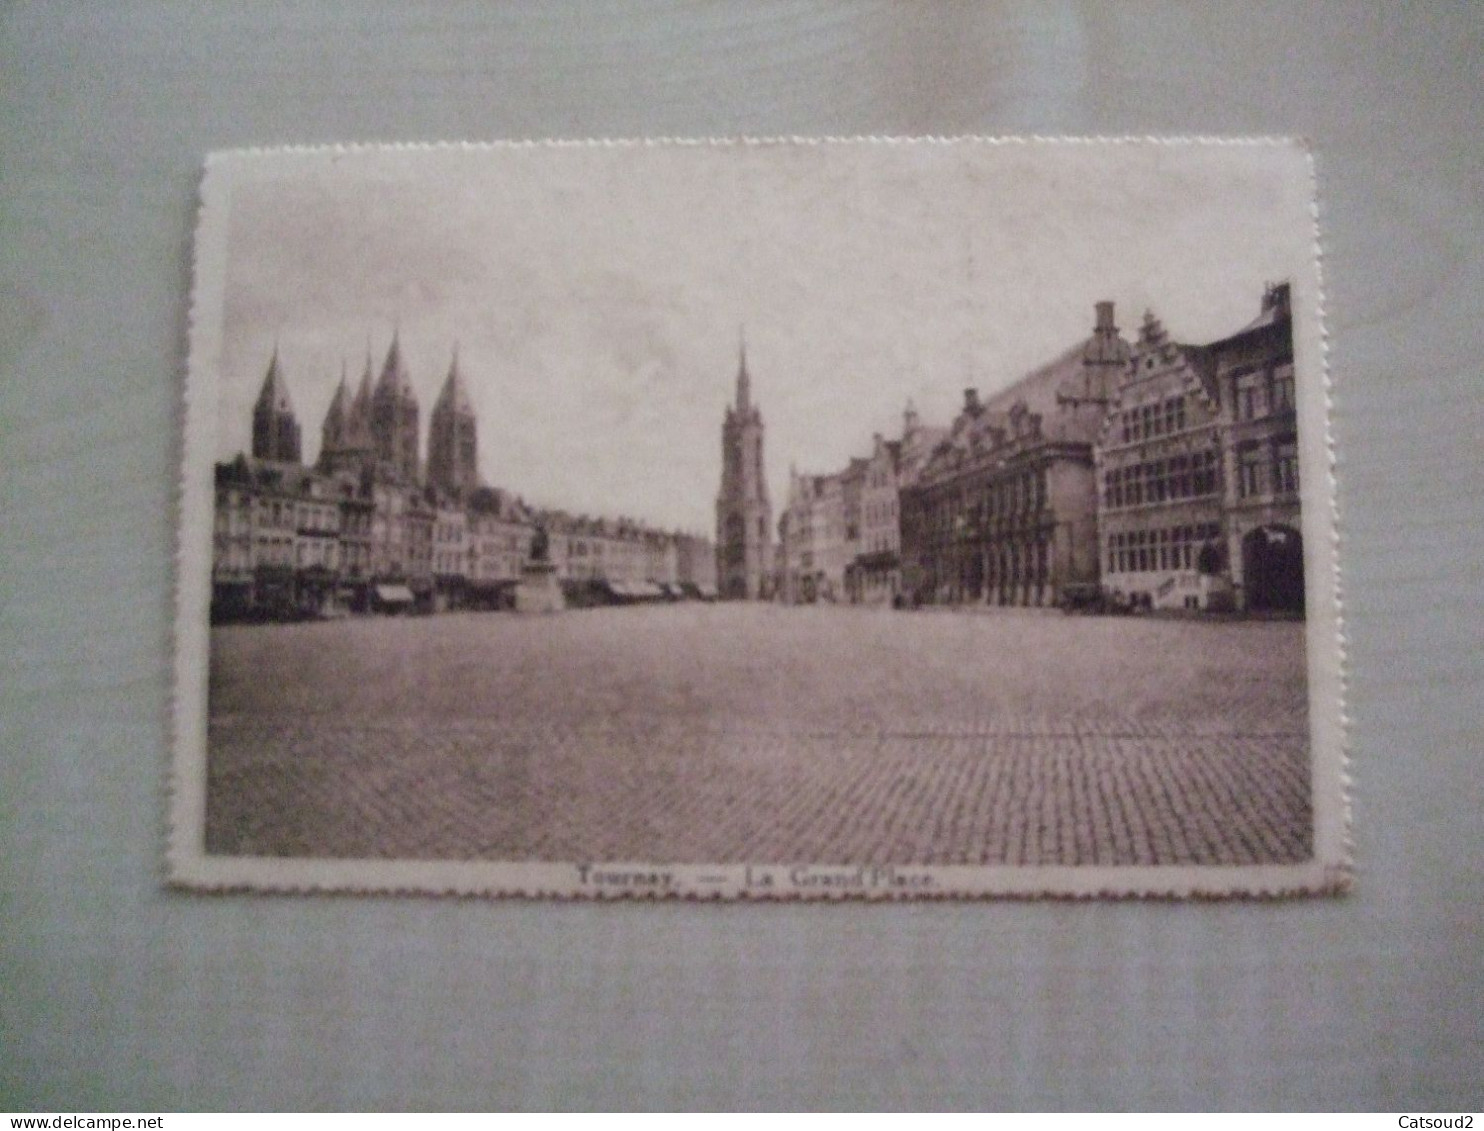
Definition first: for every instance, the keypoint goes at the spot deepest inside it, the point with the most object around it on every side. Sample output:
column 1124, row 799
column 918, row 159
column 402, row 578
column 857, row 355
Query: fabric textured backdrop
column 115, row 994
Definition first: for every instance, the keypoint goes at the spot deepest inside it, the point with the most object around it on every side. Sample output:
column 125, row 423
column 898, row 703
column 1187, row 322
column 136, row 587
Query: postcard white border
column 189, row 866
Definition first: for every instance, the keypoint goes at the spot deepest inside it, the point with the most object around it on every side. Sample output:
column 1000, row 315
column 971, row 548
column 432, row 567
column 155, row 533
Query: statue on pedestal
column 539, row 590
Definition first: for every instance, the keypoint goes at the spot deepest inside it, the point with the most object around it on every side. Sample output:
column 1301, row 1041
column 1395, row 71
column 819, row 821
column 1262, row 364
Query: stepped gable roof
column 1155, row 339
column 454, row 396
column 274, row 396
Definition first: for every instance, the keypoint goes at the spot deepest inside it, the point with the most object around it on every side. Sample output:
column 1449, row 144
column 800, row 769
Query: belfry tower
column 452, row 446
column 275, row 428
column 394, row 416
column 744, row 518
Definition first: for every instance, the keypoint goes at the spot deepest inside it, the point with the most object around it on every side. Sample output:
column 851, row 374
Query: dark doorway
column 1273, row 569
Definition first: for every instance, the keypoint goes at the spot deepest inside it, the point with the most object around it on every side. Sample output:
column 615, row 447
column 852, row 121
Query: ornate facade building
column 743, row 514
column 1159, row 466
column 1004, row 510
column 1198, row 469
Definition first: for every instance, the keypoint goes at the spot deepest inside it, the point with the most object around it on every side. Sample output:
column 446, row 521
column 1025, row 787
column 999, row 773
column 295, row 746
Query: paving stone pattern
column 745, row 733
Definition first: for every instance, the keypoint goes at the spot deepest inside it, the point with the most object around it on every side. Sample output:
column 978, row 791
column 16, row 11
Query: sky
column 597, row 295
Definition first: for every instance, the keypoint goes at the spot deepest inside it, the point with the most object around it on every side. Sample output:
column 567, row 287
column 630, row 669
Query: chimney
column 971, row 400
column 1105, row 317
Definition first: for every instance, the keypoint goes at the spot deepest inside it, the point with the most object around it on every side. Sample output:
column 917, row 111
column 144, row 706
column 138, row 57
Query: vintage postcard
column 863, row 519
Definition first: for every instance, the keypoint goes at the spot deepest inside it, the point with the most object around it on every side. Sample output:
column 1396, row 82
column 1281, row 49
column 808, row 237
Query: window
column 1180, row 477
column 1285, row 465
column 1283, row 389
column 1251, row 395
column 1203, row 473
column 1249, row 470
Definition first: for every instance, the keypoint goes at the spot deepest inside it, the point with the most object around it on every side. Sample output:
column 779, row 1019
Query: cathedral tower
column 346, row 434
column 275, row 429
column 394, row 419
column 744, row 518
column 452, row 447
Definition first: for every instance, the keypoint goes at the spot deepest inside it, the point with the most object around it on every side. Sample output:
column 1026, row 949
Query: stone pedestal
column 539, row 591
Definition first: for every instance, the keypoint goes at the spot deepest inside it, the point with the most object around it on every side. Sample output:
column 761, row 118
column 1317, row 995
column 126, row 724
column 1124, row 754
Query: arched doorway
column 1273, row 569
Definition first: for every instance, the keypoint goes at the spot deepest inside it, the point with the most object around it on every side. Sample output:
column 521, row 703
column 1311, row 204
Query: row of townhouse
column 290, row 540
column 1159, row 473
column 839, row 537
column 368, row 528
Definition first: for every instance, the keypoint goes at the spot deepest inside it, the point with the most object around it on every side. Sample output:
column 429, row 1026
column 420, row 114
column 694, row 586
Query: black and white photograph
column 760, row 519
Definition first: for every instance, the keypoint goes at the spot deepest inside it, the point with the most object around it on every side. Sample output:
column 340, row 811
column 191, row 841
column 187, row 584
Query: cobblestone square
column 739, row 733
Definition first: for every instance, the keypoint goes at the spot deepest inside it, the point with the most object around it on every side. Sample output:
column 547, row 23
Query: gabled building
column 1160, row 478
column 1004, row 510
column 1198, row 469
column 874, row 571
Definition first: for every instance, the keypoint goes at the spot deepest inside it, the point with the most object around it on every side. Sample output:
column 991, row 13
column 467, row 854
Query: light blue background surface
column 115, row 994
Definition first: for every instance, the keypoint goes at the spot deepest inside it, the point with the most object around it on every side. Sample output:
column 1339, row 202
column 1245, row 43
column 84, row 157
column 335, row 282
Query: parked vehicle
column 1093, row 600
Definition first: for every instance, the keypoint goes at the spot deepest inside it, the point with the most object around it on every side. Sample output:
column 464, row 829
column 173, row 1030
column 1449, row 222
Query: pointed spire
column 275, row 429
column 744, row 379
column 454, row 396
column 366, row 386
column 274, row 396
column 339, row 405
column 394, row 370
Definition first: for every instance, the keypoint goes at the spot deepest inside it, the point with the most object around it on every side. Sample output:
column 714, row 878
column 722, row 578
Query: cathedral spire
column 453, row 447
column 454, row 394
column 744, row 379
column 275, row 393
column 394, row 370
column 394, row 417
column 275, row 428
column 339, row 411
